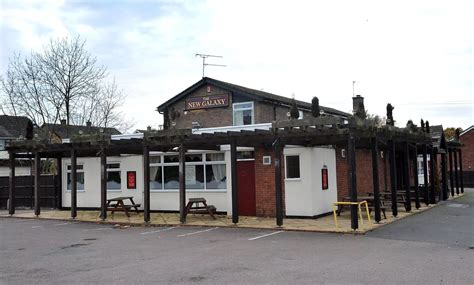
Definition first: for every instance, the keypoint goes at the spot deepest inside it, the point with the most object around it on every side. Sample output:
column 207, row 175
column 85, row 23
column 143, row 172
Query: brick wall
column 363, row 172
column 265, row 183
column 467, row 151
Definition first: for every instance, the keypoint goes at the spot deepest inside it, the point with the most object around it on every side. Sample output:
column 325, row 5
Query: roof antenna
column 353, row 88
column 204, row 64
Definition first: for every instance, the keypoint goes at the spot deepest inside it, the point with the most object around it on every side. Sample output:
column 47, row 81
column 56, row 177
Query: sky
column 416, row 55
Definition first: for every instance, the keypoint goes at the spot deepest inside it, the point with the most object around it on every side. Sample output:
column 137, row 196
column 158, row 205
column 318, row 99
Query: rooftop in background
column 253, row 93
column 467, row 130
column 61, row 130
column 13, row 126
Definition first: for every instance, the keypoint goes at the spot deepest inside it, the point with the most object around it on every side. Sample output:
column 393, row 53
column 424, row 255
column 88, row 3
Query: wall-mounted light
column 343, row 152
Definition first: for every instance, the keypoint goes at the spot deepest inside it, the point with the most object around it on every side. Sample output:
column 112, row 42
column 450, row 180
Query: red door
column 246, row 187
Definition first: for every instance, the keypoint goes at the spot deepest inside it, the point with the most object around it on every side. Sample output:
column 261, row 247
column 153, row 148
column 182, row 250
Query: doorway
column 246, row 187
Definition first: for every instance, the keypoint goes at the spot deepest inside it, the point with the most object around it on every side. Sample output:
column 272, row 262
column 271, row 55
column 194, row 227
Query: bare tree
column 64, row 81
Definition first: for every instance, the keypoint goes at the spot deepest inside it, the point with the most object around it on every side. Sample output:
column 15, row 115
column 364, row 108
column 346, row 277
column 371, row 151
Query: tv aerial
column 204, row 64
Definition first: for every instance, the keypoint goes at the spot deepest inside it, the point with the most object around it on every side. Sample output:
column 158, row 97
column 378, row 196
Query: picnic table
column 401, row 197
column 370, row 202
column 118, row 205
column 194, row 206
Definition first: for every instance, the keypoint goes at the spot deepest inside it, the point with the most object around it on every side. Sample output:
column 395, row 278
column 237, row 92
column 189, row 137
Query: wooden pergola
column 309, row 132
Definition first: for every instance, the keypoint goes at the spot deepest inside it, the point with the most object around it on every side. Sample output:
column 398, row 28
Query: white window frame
column 119, row 170
column 286, row 167
column 68, row 171
column 235, row 107
column 203, row 162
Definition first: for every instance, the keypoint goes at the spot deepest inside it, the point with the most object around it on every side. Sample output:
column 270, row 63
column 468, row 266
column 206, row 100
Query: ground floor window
column 114, row 179
column 202, row 172
column 292, row 166
column 80, row 177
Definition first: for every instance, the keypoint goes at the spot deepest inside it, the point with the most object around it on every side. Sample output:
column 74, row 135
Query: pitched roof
column 60, row 130
column 253, row 93
column 466, row 130
column 13, row 126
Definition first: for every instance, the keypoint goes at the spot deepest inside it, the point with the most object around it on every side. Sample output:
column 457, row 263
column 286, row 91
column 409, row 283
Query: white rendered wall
column 304, row 196
column 19, row 171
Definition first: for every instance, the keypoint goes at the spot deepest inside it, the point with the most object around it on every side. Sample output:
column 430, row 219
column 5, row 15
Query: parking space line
column 266, row 235
column 35, row 227
column 100, row 229
column 198, row 232
column 158, row 231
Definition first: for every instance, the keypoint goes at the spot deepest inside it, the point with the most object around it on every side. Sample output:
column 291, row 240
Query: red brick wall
column 265, row 183
column 363, row 172
column 467, row 151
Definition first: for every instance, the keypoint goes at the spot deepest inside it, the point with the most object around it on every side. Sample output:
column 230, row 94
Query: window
column 202, row 172
column 243, row 113
column 2, row 144
column 292, row 166
column 114, row 180
column 300, row 114
column 80, row 177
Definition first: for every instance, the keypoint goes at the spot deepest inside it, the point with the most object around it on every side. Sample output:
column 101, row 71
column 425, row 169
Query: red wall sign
column 205, row 102
column 324, row 178
column 131, row 180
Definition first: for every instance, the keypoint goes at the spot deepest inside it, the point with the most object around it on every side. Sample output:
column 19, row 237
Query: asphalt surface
column 433, row 247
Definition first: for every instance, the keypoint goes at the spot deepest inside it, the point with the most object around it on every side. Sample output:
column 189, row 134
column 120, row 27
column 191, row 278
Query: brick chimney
column 357, row 103
column 63, row 122
column 88, row 124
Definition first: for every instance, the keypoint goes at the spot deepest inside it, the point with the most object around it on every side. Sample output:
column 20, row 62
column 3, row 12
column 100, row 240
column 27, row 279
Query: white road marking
column 456, row 205
column 101, row 229
column 35, row 227
column 158, row 231
column 266, row 235
column 67, row 223
column 198, row 232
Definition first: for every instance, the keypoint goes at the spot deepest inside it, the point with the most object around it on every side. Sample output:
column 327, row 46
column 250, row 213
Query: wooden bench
column 117, row 205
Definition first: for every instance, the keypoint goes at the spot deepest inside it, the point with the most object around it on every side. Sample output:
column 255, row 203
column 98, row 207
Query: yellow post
column 367, row 211
column 334, row 207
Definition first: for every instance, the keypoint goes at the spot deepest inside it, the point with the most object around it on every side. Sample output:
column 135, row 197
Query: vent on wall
column 267, row 160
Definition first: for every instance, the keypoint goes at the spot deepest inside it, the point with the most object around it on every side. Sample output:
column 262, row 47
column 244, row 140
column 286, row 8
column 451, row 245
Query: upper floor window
column 243, row 113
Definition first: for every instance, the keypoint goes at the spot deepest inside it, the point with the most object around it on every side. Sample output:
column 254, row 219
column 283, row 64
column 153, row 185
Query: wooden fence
column 49, row 192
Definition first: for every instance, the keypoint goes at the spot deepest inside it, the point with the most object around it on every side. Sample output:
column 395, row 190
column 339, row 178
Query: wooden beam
column 456, row 172
column 352, row 178
column 182, row 183
column 444, row 177
column 406, row 168
column 59, row 183
column 103, row 185
column 415, row 178
column 433, row 175
column 375, row 178
column 393, row 178
column 37, row 183
column 11, row 185
column 426, row 193
column 235, row 195
column 146, row 183
column 73, row 183
column 451, row 172
column 461, row 181
column 277, row 148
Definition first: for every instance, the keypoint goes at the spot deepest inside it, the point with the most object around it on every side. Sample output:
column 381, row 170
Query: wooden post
column 433, row 175
column 351, row 161
column 461, row 182
column 393, row 179
column 407, row 177
column 375, row 178
column 426, row 194
column 451, row 173
column 37, row 182
column 456, row 172
column 415, row 179
column 59, row 183
column 146, row 184
column 11, row 185
column 444, row 177
column 73, row 183
column 235, row 195
column 103, row 184
column 278, row 184
column 182, row 184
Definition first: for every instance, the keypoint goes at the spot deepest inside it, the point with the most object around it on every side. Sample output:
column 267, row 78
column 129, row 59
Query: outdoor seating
column 118, row 205
column 194, row 207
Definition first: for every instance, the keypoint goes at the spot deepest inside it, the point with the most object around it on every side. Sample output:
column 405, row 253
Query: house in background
column 466, row 138
column 12, row 128
column 57, row 132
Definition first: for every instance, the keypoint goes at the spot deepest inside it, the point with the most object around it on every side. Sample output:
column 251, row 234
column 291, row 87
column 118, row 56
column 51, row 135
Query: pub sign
column 131, row 180
column 208, row 101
